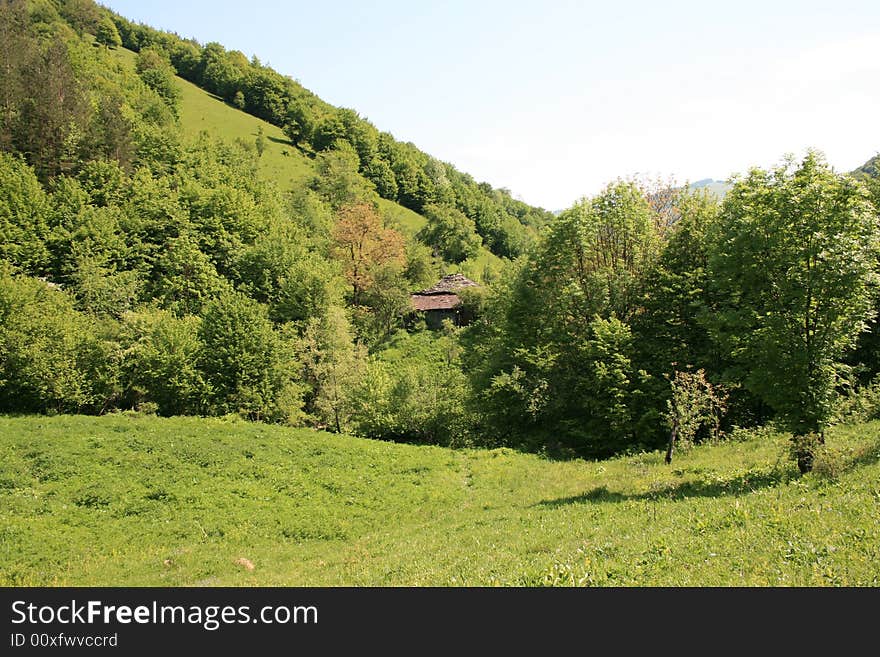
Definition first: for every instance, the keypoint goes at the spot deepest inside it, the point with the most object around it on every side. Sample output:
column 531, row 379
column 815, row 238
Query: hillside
column 870, row 169
column 718, row 188
column 126, row 500
column 280, row 163
column 398, row 171
column 286, row 166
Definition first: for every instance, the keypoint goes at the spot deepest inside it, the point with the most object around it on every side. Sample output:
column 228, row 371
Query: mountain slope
column 718, row 188
column 400, row 171
column 870, row 169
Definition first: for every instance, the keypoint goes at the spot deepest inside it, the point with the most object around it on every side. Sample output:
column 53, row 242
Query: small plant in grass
column 694, row 403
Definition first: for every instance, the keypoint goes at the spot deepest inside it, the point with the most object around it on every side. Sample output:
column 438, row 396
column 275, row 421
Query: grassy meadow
column 144, row 501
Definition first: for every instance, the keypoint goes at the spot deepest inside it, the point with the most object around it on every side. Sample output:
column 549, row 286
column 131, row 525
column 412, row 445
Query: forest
column 148, row 267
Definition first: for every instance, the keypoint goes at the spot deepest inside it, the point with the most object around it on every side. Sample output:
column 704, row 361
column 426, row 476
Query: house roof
column 446, row 301
column 441, row 296
column 447, row 284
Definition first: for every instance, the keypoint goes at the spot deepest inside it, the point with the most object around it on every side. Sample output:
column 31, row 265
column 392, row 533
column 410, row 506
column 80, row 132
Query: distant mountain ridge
column 717, row 187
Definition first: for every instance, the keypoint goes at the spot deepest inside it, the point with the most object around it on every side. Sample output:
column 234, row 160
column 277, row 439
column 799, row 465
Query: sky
column 554, row 99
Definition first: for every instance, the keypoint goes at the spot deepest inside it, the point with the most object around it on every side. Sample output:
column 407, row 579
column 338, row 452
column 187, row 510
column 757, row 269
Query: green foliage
column 559, row 352
column 160, row 362
column 669, row 332
column 694, row 403
column 859, row 404
column 51, row 357
column 383, row 305
column 106, row 33
column 331, row 366
column 24, row 208
column 280, row 269
column 243, row 359
column 794, row 261
column 184, row 279
column 52, row 113
column 414, row 391
column 158, row 74
column 337, row 180
column 452, row 235
column 260, row 142
column 100, row 289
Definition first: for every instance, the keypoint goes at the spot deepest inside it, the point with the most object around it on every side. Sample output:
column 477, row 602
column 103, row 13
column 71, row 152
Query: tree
column 794, row 259
column 694, row 403
column 23, row 212
column 243, row 359
column 52, row 358
column 558, row 359
column 332, row 366
column 83, row 15
column 101, row 290
column 362, row 244
column 260, row 142
column 161, row 362
column 18, row 51
column 452, row 235
column 669, row 330
column 183, row 278
column 337, row 180
column 157, row 73
column 385, row 303
column 53, row 116
column 106, row 33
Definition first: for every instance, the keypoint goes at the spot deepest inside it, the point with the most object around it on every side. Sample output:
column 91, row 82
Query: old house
column 441, row 301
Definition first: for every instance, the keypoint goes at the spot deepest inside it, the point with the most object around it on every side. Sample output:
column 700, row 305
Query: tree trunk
column 805, row 449
column 805, row 460
column 672, row 436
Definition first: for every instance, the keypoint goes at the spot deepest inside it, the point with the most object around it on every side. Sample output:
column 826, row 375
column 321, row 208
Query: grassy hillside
column 281, row 162
column 126, row 500
column 285, row 165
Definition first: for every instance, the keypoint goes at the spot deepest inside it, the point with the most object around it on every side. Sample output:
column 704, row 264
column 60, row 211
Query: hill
column 125, row 500
column 286, row 166
column 398, row 171
column 719, row 188
column 281, row 162
column 870, row 169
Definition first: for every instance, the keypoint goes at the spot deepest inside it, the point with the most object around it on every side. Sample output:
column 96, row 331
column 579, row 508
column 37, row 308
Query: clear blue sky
column 553, row 99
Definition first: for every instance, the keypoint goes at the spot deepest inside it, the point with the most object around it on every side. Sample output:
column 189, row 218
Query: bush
column 860, row 404
column 53, row 358
column 160, row 363
column 244, row 361
column 415, row 391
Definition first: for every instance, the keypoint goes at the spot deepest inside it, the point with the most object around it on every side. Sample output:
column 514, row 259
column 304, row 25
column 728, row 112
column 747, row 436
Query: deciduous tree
column 795, row 262
column 362, row 244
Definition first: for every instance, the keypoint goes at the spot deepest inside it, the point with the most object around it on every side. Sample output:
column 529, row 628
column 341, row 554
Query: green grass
column 401, row 218
column 281, row 162
column 127, row 500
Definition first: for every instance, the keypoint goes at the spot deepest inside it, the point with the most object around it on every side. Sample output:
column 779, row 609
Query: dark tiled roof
column 447, row 284
column 436, row 301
